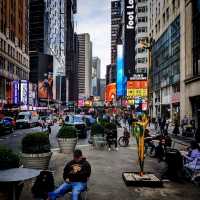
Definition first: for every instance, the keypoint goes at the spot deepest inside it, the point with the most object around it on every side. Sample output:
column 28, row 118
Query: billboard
column 45, row 77
column 24, row 92
column 129, row 37
column 110, row 92
column 16, row 92
column 120, row 71
column 137, row 88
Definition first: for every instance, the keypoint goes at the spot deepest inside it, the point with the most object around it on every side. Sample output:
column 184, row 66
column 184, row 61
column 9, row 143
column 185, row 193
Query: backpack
column 44, row 183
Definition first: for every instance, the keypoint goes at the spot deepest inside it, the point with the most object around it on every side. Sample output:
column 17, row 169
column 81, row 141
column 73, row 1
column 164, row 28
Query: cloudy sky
column 93, row 17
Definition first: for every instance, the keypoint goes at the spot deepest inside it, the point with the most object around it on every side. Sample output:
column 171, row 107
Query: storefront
column 175, row 99
column 195, row 102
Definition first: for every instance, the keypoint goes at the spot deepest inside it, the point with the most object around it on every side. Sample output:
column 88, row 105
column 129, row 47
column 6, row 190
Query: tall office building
column 96, row 67
column 164, row 29
column 70, row 51
column 115, row 21
column 36, row 35
column 55, row 44
column 84, row 65
column 14, row 59
column 52, row 33
column 141, row 54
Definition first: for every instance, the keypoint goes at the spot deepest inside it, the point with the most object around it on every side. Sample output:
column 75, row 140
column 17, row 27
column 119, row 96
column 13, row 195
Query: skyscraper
column 84, row 65
column 96, row 65
column 141, row 55
column 115, row 21
column 14, row 59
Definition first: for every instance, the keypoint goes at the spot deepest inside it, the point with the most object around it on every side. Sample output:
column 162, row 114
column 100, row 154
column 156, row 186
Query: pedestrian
column 176, row 128
column 76, row 174
column 49, row 129
column 111, row 138
column 163, row 123
column 130, row 122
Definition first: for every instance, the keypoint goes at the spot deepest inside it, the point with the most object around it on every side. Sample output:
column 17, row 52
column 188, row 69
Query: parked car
column 78, row 122
column 89, row 120
column 27, row 120
column 7, row 124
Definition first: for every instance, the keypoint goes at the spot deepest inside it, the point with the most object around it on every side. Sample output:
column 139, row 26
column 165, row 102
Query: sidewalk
column 106, row 180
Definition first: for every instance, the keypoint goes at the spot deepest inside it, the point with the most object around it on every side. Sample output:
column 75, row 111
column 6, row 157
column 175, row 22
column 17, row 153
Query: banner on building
column 45, row 79
column 137, row 88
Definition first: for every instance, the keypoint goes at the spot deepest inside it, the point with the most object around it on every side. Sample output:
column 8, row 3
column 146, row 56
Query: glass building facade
column 166, row 57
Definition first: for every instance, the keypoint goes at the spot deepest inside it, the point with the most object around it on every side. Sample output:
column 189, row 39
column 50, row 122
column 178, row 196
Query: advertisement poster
column 24, row 92
column 45, row 83
column 15, row 92
column 110, row 92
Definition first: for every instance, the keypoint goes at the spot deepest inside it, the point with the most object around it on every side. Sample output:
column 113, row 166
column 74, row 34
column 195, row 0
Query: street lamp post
column 148, row 45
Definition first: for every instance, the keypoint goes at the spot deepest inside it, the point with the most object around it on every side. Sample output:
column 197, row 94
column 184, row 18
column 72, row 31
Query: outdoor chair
column 192, row 170
column 99, row 142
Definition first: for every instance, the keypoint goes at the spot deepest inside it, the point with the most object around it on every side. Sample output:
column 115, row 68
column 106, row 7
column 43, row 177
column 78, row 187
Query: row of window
column 12, row 69
column 12, row 52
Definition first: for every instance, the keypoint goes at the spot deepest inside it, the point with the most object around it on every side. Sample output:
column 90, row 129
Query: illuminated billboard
column 45, row 77
column 110, row 92
column 120, row 71
column 137, row 88
column 24, row 92
column 15, row 92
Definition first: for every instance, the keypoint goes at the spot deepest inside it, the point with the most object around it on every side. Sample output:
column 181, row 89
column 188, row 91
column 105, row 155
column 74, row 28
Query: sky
column 93, row 17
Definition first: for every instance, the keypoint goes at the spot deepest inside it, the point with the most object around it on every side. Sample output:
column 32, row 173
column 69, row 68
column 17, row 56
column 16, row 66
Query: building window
column 196, row 37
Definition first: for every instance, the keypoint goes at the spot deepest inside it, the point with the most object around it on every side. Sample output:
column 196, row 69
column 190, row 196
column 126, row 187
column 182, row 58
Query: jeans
column 76, row 187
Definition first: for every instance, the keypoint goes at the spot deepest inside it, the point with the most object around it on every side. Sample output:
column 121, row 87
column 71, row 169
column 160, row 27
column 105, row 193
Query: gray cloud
column 93, row 17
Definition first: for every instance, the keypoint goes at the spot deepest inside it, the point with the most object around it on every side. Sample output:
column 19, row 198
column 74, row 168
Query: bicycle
column 123, row 141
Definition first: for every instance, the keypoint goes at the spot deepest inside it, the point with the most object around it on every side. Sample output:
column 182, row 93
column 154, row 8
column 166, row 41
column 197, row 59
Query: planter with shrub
column 8, row 160
column 97, row 136
column 67, row 139
column 36, row 151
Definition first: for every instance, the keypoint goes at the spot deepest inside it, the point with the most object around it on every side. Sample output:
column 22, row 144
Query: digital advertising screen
column 120, row 71
column 110, row 92
column 45, row 79
column 137, row 88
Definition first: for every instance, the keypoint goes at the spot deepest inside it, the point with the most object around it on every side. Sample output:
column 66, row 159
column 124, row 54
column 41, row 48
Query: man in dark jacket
column 76, row 174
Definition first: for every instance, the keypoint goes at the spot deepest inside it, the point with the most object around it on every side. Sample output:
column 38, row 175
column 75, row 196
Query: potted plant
column 97, row 129
column 97, row 135
column 36, row 152
column 67, row 139
column 8, row 160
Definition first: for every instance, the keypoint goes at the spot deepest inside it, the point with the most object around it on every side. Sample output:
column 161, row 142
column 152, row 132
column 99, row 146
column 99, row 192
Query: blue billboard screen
column 120, row 71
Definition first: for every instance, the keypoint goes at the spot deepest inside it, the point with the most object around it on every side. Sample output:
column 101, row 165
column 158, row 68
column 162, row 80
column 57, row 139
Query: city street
column 13, row 140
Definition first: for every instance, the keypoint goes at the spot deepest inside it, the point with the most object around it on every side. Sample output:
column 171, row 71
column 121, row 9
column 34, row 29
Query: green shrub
column 67, row 132
column 97, row 129
column 103, row 122
column 8, row 159
column 36, row 143
column 110, row 126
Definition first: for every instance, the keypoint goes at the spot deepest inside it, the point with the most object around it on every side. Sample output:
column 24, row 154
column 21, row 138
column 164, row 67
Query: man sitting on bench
column 76, row 174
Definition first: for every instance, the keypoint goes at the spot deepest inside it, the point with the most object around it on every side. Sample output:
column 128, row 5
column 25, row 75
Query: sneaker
column 109, row 149
column 117, row 149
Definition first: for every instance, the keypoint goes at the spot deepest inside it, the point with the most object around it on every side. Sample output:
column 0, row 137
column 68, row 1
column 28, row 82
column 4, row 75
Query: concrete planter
column 36, row 161
column 67, row 145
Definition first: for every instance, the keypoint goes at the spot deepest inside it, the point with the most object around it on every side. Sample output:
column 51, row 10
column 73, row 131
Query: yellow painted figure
column 138, row 132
